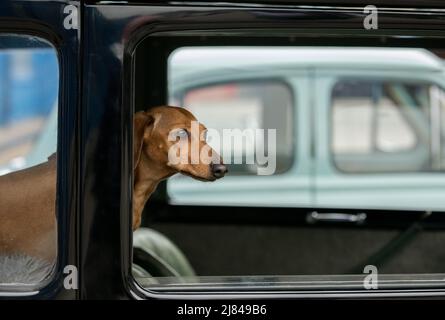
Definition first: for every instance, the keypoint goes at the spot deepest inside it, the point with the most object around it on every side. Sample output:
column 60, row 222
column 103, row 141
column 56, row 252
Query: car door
column 235, row 250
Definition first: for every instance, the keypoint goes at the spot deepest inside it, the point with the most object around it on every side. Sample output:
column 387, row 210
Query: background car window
column 29, row 81
column 249, row 107
column 28, row 97
column 380, row 126
column 438, row 113
column 245, row 105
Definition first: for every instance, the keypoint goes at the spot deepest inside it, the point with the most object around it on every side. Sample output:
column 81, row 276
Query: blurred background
column 29, row 81
column 356, row 127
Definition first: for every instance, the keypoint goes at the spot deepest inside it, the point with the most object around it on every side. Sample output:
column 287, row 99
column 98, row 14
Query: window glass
column 438, row 113
column 29, row 79
column 250, row 105
column 374, row 123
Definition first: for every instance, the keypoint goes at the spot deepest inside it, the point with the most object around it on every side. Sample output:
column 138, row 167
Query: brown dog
column 151, row 146
column 27, row 197
column 27, row 205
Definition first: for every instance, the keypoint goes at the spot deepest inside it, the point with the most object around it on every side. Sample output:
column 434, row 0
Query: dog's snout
column 219, row 170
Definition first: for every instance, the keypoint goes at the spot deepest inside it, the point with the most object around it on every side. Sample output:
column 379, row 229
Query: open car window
column 29, row 81
column 357, row 151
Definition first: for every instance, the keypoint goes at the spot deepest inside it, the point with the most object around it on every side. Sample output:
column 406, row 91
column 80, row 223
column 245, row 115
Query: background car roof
column 189, row 60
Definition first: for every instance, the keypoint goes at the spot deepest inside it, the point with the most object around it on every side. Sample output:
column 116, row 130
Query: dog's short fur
column 151, row 146
column 27, row 211
column 28, row 197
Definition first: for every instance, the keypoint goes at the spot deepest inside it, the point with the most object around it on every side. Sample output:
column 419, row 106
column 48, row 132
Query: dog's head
column 171, row 140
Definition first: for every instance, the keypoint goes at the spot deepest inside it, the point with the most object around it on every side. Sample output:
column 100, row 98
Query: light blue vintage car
column 356, row 127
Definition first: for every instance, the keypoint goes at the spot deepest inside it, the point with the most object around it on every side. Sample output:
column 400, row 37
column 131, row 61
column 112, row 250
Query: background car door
column 378, row 140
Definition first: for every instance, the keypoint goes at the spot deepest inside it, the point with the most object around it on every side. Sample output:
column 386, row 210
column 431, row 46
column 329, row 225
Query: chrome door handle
column 314, row 217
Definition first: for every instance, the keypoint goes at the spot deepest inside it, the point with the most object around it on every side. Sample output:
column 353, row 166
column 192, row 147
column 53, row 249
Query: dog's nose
column 219, row 170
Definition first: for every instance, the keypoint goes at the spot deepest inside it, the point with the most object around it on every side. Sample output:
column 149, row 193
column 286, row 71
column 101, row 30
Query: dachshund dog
column 28, row 197
column 151, row 145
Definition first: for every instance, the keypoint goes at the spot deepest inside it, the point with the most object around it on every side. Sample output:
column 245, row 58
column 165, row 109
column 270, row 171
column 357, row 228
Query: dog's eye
column 182, row 133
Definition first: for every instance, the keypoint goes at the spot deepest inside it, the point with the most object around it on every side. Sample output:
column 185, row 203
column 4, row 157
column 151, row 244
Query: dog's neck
column 147, row 176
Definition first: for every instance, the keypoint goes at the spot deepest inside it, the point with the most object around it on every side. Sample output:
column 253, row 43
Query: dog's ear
column 141, row 122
